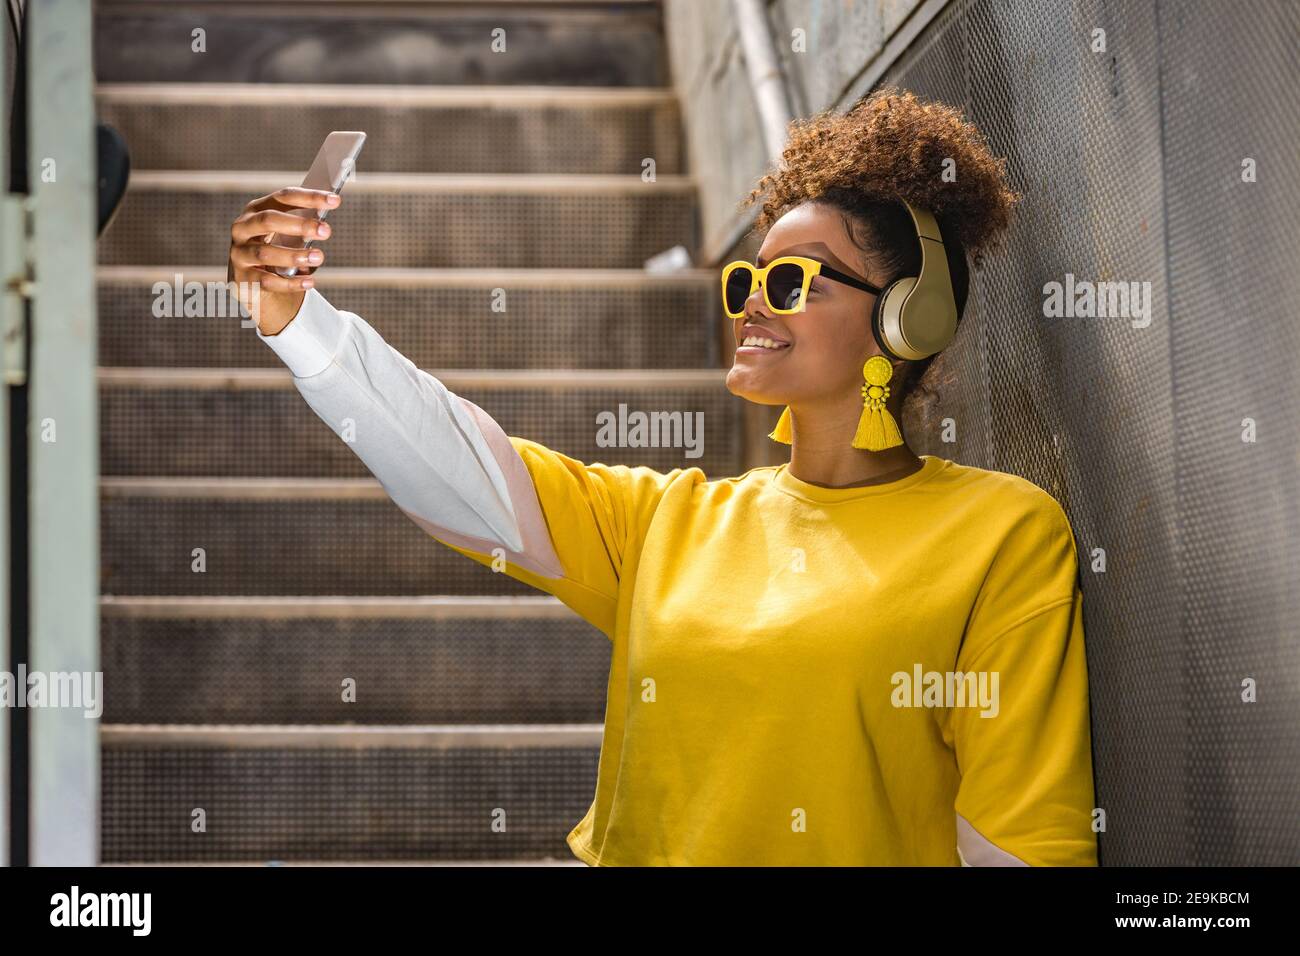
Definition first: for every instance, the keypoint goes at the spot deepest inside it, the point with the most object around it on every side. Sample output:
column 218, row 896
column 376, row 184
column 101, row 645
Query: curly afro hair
column 891, row 146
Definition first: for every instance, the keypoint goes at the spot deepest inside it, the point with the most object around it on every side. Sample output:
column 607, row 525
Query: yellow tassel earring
column 781, row 432
column 877, row 429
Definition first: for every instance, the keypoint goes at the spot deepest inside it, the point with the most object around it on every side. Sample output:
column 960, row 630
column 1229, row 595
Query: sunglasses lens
column 737, row 290
column 784, row 284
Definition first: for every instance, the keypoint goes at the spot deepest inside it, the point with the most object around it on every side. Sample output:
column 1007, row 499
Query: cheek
column 824, row 362
column 835, row 337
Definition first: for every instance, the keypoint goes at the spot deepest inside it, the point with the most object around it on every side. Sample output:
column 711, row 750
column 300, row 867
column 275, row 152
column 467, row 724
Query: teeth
column 762, row 342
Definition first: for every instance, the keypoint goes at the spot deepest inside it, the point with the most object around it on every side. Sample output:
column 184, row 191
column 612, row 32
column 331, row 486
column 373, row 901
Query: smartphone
column 334, row 165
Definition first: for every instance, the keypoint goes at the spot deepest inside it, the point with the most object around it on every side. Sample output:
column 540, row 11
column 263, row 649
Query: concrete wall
column 827, row 48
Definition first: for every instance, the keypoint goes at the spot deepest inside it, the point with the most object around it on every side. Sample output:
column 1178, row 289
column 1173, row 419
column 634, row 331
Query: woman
column 788, row 644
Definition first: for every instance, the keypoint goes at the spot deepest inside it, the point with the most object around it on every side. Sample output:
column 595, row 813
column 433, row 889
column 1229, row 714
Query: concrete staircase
column 475, row 696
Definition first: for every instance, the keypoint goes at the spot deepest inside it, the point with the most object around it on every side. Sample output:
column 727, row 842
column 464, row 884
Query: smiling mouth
column 754, row 344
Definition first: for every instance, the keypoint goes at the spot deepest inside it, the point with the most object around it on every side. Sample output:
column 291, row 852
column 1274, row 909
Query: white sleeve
column 420, row 440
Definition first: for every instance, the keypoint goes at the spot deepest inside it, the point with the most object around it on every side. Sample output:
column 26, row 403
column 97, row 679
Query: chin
column 735, row 382
column 758, row 398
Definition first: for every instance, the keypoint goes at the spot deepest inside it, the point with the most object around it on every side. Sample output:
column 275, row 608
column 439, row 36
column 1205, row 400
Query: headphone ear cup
column 885, row 315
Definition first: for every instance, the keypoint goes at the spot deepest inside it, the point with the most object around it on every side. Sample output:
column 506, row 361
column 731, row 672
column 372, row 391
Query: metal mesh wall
column 1232, row 269
column 1130, row 162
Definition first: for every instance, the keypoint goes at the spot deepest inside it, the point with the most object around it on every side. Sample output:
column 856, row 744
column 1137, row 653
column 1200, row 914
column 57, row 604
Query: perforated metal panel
column 280, row 547
column 588, row 324
column 342, row 804
column 1131, row 161
column 475, row 670
column 420, row 229
column 273, row 432
column 490, row 137
column 1234, row 286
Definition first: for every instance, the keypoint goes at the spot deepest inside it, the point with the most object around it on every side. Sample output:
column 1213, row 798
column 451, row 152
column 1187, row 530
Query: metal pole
column 62, row 429
column 4, row 466
column 765, row 77
column 11, row 310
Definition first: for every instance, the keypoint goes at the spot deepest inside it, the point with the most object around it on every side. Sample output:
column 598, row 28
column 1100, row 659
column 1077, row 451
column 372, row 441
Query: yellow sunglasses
column 785, row 282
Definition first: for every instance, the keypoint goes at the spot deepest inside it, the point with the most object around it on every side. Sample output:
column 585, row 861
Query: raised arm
column 440, row 457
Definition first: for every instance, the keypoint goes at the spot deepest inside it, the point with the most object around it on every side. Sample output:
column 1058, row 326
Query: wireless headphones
column 916, row 316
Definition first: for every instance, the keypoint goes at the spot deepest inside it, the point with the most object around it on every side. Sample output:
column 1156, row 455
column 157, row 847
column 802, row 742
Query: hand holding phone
column 263, row 263
column 334, row 165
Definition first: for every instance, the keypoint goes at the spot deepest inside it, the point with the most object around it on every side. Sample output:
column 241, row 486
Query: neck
column 822, row 452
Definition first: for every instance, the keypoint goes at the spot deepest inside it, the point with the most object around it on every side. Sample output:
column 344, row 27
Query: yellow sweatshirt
column 887, row 675
column 884, row 675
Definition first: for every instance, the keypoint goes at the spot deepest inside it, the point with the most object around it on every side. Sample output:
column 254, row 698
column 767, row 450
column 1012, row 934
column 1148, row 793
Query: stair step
column 412, row 129
column 414, row 660
column 264, row 537
column 608, row 43
column 549, row 861
column 347, row 793
column 580, row 318
column 253, row 422
column 425, row 607
column 183, row 217
column 485, row 176
column 348, row 737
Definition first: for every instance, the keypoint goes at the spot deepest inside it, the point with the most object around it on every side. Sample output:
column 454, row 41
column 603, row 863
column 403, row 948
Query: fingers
column 289, row 197
column 251, row 255
column 253, row 224
column 274, row 282
column 254, row 260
